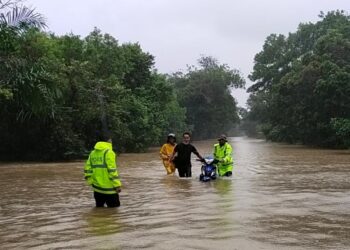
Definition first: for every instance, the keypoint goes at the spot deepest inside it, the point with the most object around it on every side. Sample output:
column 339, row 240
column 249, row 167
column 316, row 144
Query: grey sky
column 177, row 32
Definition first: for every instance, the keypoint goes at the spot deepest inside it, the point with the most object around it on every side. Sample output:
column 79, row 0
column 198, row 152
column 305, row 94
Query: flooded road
column 280, row 197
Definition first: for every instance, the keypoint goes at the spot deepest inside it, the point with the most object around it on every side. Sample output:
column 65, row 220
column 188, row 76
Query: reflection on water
column 102, row 221
column 280, row 197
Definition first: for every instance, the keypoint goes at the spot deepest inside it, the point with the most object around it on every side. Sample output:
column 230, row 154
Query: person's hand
column 118, row 189
column 215, row 161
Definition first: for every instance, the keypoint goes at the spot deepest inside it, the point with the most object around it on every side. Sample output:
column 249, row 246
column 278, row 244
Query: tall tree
column 305, row 82
column 205, row 93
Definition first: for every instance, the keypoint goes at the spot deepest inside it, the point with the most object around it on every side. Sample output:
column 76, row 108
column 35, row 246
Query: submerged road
column 280, row 197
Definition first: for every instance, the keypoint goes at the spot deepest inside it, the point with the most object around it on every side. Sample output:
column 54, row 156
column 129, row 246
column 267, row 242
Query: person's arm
column 194, row 150
column 88, row 171
column 163, row 154
column 173, row 154
column 216, row 157
column 228, row 155
column 112, row 170
column 214, row 154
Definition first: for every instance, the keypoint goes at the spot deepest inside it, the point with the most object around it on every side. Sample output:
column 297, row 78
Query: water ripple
column 280, row 197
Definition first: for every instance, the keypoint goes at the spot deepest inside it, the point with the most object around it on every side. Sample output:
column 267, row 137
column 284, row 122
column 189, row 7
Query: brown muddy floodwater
column 280, row 197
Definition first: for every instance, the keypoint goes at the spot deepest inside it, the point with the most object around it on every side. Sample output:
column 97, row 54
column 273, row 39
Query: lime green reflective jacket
column 224, row 155
column 101, row 169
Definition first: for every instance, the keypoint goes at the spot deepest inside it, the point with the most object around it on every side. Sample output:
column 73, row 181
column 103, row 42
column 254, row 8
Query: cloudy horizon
column 178, row 32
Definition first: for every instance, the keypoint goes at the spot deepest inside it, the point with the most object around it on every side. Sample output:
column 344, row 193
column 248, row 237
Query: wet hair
column 104, row 136
column 186, row 133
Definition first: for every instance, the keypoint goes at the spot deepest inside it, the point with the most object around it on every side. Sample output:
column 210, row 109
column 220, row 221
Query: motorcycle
column 208, row 170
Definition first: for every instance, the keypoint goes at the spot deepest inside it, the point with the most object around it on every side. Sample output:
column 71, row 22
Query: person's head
column 222, row 139
column 171, row 138
column 105, row 136
column 186, row 138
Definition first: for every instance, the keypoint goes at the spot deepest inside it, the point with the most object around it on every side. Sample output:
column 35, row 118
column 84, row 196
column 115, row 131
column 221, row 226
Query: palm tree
column 34, row 89
column 13, row 15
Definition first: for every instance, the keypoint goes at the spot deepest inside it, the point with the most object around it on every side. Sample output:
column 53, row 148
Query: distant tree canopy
column 302, row 84
column 205, row 93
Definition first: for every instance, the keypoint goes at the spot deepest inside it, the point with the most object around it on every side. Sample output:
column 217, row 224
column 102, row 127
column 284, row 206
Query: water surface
column 280, row 197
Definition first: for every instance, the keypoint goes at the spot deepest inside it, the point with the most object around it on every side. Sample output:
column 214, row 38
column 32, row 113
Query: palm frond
column 9, row 3
column 21, row 17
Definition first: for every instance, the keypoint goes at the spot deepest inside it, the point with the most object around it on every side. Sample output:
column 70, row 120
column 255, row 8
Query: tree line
column 57, row 93
column 301, row 90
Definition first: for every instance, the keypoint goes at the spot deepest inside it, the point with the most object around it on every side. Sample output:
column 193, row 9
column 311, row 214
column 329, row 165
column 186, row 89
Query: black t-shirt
column 184, row 151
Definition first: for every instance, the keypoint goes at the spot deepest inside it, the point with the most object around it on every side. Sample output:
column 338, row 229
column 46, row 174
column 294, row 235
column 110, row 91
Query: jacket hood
column 101, row 145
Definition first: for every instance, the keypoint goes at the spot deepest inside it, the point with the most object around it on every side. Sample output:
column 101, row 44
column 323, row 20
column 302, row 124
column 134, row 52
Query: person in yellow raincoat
column 165, row 153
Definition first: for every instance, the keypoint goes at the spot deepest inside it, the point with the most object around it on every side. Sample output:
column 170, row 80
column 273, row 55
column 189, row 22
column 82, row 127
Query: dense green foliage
column 205, row 92
column 57, row 93
column 302, row 84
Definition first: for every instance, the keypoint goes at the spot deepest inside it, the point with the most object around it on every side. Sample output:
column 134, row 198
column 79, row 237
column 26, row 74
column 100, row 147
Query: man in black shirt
column 182, row 156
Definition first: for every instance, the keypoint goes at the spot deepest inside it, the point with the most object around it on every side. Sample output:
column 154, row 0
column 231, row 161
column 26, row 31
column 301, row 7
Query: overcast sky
column 177, row 32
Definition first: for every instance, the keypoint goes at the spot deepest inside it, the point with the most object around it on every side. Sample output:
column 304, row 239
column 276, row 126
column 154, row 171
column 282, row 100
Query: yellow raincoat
column 165, row 152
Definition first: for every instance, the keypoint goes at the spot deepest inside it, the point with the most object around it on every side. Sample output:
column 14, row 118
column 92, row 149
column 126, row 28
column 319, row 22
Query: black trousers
column 185, row 171
column 228, row 174
column 112, row 200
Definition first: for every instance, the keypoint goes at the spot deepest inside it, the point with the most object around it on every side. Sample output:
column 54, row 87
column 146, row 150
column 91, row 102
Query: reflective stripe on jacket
column 224, row 155
column 101, row 170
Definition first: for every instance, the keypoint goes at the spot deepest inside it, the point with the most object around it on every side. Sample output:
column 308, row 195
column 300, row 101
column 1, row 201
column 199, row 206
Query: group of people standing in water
column 101, row 172
column 178, row 156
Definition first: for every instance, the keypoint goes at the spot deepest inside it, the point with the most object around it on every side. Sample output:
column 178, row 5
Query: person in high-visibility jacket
column 165, row 153
column 223, row 156
column 101, row 173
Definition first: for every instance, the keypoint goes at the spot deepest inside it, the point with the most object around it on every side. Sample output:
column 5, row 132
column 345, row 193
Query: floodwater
column 280, row 197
